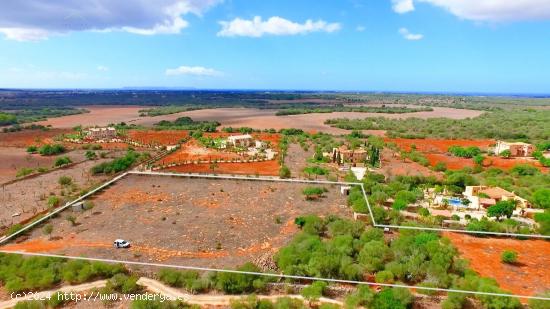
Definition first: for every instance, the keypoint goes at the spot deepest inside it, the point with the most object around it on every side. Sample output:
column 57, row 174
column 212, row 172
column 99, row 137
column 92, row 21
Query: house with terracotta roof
column 518, row 149
column 482, row 197
column 343, row 155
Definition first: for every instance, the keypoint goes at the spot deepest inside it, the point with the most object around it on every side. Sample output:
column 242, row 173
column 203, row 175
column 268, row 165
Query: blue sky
column 366, row 45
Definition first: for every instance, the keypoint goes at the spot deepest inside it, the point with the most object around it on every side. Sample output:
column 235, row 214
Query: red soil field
column 26, row 138
column 438, row 145
column 265, row 168
column 435, row 150
column 529, row 276
column 165, row 138
column 192, row 150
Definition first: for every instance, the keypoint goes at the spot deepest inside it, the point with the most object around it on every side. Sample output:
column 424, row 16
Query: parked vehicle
column 121, row 243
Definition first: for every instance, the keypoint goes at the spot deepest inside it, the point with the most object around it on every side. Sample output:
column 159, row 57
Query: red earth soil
column 435, row 150
column 150, row 137
column 530, row 276
column 265, row 168
column 43, row 245
column 438, row 145
column 192, row 150
column 27, row 138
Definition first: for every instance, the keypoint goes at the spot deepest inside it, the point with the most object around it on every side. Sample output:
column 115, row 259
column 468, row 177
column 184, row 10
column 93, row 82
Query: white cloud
column 485, row 10
column 102, row 68
column 275, row 25
column 195, row 71
column 410, row 36
column 31, row 20
column 402, row 6
column 360, row 28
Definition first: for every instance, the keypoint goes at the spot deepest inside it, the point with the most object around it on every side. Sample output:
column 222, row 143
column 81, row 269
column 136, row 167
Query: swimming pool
column 455, row 201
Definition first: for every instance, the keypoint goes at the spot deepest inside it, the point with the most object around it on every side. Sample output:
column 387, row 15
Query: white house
column 240, row 140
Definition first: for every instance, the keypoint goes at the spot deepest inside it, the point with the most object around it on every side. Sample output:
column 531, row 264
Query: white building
column 101, row 133
column 240, row 140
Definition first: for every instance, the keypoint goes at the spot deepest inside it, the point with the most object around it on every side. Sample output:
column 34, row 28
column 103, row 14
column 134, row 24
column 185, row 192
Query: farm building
column 517, row 149
column 344, row 155
column 101, row 133
column 240, row 140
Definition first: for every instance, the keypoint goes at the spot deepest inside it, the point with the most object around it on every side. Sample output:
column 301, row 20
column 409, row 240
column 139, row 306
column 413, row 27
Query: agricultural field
column 436, row 151
column 528, row 276
column 201, row 222
column 21, row 204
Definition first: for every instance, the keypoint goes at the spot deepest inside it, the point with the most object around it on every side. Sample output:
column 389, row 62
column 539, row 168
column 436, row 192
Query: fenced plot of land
column 199, row 222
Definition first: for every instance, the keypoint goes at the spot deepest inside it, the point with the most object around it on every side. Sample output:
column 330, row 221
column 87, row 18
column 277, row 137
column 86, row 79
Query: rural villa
column 477, row 198
column 343, row 155
column 485, row 197
column 240, row 140
column 101, row 133
column 517, row 149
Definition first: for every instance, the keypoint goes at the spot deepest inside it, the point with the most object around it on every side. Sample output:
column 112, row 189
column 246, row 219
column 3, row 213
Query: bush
column 235, row 283
column 312, row 193
column 53, row 201
column 50, row 150
column 384, row 276
column 24, row 172
column 314, row 291
column 124, row 284
column 32, row 149
column 190, row 280
column 509, row 257
column 18, row 273
column 65, row 180
column 284, row 172
column 62, row 161
column 117, row 165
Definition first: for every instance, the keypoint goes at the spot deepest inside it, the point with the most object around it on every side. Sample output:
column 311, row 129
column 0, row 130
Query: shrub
column 384, row 276
column 65, row 180
column 284, row 172
column 509, row 257
column 314, row 291
column 24, row 172
column 312, row 193
column 32, row 149
column 117, row 165
column 50, row 150
column 236, row 283
column 190, row 280
column 62, row 161
column 53, row 201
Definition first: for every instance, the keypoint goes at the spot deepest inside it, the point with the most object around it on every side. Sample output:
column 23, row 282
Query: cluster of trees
column 315, row 170
column 464, row 152
column 186, row 123
column 7, row 119
column 521, row 125
column 18, row 273
column 35, row 114
column 167, row 110
column 117, row 165
column 357, row 109
column 47, row 150
column 227, row 282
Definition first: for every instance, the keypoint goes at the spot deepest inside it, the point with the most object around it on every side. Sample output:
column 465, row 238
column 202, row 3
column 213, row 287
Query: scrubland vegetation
column 186, row 123
column 119, row 164
column 357, row 109
column 520, row 125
